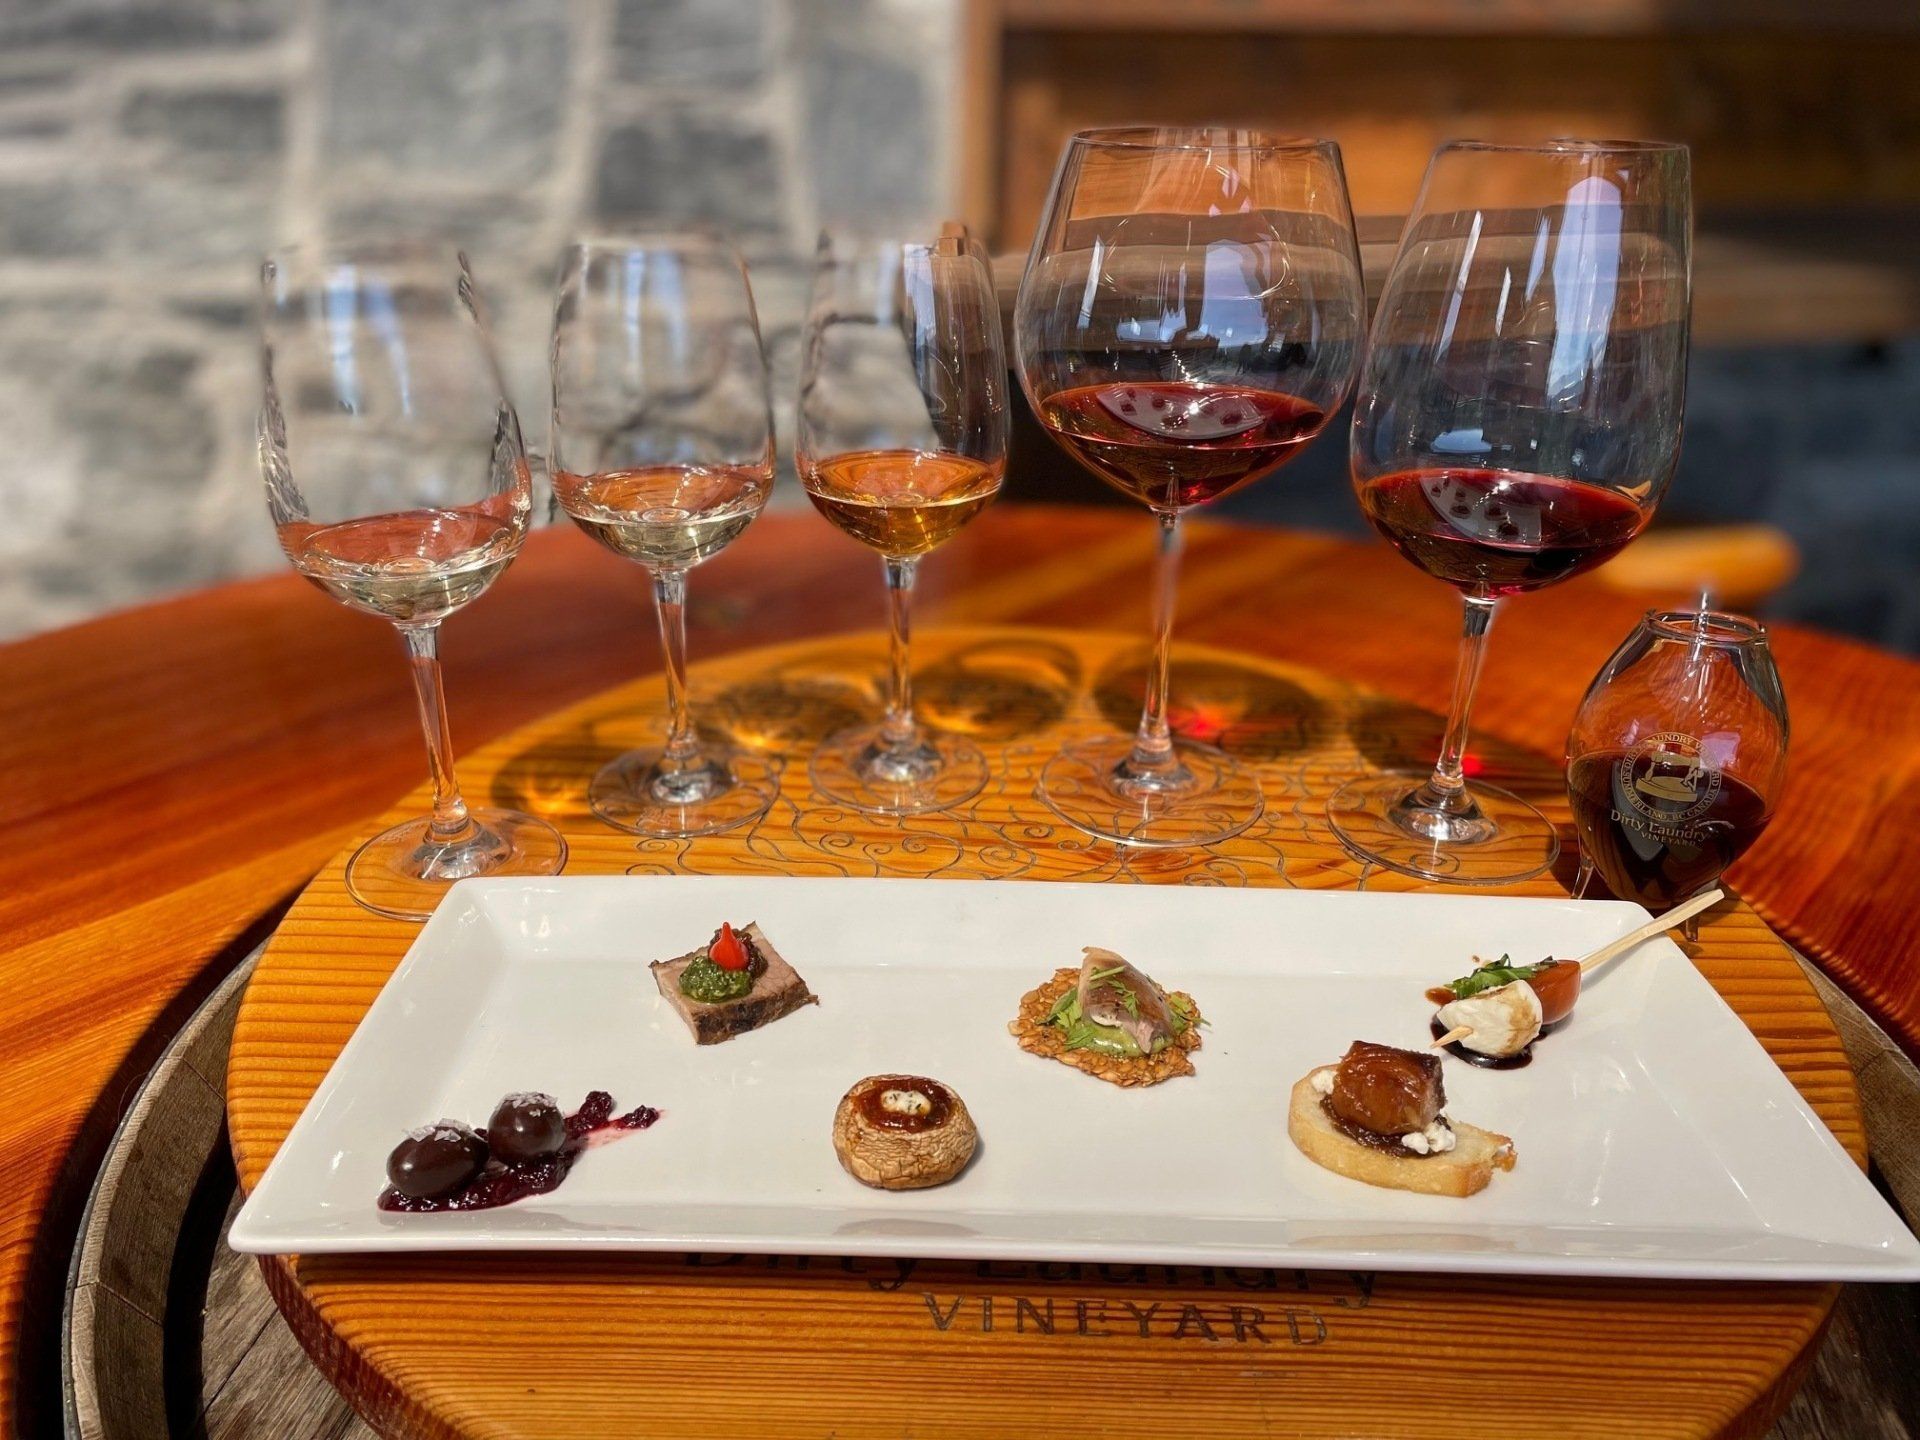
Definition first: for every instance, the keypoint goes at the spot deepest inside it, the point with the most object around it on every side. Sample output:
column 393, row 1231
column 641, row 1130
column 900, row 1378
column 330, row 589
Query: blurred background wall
column 151, row 149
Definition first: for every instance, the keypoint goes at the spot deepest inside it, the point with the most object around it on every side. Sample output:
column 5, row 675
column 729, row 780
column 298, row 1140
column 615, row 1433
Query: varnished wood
column 172, row 771
column 1741, row 566
column 441, row 1345
column 253, row 1380
column 151, row 1278
column 1850, row 280
column 1802, row 120
column 1491, row 17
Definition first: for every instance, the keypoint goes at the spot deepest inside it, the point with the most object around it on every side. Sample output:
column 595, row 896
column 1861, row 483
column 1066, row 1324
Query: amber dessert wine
column 901, row 503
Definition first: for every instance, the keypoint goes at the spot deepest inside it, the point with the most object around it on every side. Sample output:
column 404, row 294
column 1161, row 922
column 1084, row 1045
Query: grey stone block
column 868, row 133
column 33, row 127
column 136, row 25
column 123, row 440
column 680, row 166
column 34, row 76
column 474, row 88
column 225, row 124
column 156, row 218
column 49, row 219
column 690, row 42
column 220, row 312
column 145, row 427
column 493, row 228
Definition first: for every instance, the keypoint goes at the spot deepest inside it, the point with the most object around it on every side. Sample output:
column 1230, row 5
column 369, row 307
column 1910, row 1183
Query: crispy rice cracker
column 1037, row 1037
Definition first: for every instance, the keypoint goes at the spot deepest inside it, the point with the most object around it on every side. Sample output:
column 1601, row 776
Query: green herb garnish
column 703, row 980
column 1493, row 975
column 1182, row 1014
column 1085, row 1034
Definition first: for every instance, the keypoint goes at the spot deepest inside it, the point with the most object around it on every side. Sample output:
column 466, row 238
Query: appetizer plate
column 1655, row 1137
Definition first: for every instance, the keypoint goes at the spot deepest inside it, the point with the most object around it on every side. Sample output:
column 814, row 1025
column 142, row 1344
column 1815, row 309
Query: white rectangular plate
column 1655, row 1137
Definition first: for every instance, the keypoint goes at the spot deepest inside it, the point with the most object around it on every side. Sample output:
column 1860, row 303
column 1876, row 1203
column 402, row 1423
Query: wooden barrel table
column 735, row 1346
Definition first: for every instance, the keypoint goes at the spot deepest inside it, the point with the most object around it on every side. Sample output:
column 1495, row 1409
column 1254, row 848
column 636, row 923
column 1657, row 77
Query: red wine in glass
column 1174, row 443
column 1658, row 826
column 1499, row 532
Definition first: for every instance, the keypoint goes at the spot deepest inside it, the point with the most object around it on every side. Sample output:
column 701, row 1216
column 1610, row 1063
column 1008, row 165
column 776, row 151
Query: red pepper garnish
column 726, row 951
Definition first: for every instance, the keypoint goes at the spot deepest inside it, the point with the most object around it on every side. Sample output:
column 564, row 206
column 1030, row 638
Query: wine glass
column 902, row 440
column 662, row 450
column 1518, row 422
column 398, row 484
column 1190, row 317
column 1677, row 756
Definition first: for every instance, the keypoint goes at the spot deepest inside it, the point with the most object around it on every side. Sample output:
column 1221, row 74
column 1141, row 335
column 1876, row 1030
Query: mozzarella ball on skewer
column 1502, row 1021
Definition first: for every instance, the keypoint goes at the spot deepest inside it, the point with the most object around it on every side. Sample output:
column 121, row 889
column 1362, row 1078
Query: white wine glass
column 398, row 483
column 662, row 450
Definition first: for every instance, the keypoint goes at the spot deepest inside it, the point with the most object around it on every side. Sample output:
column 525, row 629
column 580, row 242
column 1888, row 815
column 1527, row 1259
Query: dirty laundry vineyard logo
column 1665, row 781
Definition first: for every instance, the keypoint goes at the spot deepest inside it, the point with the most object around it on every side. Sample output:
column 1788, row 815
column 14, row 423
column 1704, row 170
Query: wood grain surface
column 590, row 1346
column 151, row 1277
column 172, row 773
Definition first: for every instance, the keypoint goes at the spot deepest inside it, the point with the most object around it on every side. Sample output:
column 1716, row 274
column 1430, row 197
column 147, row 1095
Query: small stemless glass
column 1677, row 756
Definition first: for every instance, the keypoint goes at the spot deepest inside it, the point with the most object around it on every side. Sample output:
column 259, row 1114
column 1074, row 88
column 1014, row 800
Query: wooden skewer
column 1459, row 1032
column 1658, row 926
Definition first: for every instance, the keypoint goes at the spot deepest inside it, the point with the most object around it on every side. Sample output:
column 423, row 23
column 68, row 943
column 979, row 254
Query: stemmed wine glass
column 902, row 440
column 1518, row 422
column 1676, row 756
column 1190, row 317
column 398, row 483
column 662, row 450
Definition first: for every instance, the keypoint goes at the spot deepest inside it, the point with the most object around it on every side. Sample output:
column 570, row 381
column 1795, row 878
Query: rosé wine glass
column 902, row 441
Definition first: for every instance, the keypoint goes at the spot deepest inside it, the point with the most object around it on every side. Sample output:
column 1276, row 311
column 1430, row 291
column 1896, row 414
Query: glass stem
column 1446, row 788
column 451, row 823
column 670, row 600
column 897, row 729
column 1153, row 743
column 1584, row 879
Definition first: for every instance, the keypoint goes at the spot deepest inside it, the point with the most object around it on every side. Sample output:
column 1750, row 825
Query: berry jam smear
column 502, row 1183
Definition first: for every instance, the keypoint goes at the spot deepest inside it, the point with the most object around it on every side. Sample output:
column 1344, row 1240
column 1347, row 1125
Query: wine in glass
column 1518, row 422
column 902, row 440
column 662, row 450
column 398, row 484
column 1190, row 317
column 1677, row 755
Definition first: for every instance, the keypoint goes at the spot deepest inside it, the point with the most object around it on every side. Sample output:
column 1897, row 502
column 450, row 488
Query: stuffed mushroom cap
column 903, row 1132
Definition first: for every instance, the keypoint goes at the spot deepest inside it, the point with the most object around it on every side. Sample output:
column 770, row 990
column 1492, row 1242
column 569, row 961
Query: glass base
column 404, row 872
column 1205, row 797
column 856, row 768
column 711, row 794
column 1495, row 839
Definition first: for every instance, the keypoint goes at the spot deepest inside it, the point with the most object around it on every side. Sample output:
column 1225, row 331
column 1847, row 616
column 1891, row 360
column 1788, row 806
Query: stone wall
column 150, row 150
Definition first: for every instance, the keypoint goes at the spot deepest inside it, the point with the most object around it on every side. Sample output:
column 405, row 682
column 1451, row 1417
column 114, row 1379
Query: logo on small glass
column 1666, row 779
